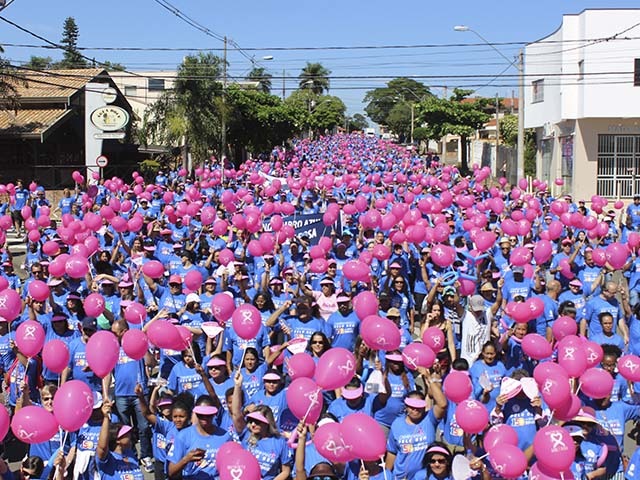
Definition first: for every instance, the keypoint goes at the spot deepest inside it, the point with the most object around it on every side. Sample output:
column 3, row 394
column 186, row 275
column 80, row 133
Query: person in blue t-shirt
column 115, row 457
column 21, row 198
column 411, row 435
column 194, row 452
column 344, row 324
column 608, row 335
column 605, row 302
column 173, row 416
column 260, row 436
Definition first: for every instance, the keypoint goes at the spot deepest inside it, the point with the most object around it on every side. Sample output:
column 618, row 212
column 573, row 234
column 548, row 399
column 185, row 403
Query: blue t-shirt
column 119, row 467
column 277, row 403
column 408, row 442
column 595, row 307
column 183, row 379
column 343, row 330
column 395, row 404
column 79, row 367
column 271, row 452
column 189, row 439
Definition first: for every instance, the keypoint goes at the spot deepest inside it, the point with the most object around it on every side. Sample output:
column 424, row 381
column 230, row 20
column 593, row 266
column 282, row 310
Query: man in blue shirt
column 633, row 211
column 21, row 198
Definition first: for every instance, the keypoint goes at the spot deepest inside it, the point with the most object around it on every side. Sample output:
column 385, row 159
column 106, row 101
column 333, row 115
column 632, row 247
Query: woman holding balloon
column 486, row 375
column 260, row 436
column 115, row 457
column 410, row 436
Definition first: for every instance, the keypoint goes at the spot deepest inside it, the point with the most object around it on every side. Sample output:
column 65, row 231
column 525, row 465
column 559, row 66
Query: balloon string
column 384, row 467
column 244, row 351
column 550, row 417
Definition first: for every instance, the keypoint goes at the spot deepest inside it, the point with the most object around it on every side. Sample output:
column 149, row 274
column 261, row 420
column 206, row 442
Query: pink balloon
column 38, row 290
column 103, row 351
column 443, row 255
column 573, row 359
column 225, row 452
column 358, row 426
column 242, row 464
column 319, row 265
column 33, row 424
column 300, row 365
column 10, row 304
column 135, row 344
column 4, row 422
column 380, row 333
column 73, row 405
column 55, row 355
column 226, row 256
column 356, row 271
column 193, row 279
column 76, row 266
column 555, row 391
column 335, row 369
column 164, row 334
column 94, row 305
column 569, row 409
column 596, row 383
column 56, row 267
column 457, row 386
column 304, row 398
column 472, row 416
column 222, row 306
column 485, row 240
column 536, row 346
column 617, row 255
column 330, row 443
column 30, row 338
column 594, row 353
column 433, row 337
column 135, row 313
column 564, row 326
column 246, row 321
column 629, row 367
column 508, row 460
column 539, row 472
column 418, row 354
column 498, row 435
column 153, row 269
column 365, row 303
column 554, row 448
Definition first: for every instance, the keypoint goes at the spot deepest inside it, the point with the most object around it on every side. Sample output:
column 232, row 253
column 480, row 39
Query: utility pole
column 444, row 139
column 520, row 161
column 498, row 166
column 283, row 88
column 412, row 105
column 223, row 117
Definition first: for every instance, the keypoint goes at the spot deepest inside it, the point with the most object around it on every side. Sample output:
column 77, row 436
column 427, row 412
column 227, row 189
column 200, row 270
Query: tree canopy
column 381, row 101
column 260, row 75
column 72, row 58
column 453, row 116
column 314, row 77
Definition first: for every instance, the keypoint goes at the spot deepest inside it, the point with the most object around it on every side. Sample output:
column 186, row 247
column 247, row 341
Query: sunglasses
column 440, row 461
column 317, row 342
column 323, row 477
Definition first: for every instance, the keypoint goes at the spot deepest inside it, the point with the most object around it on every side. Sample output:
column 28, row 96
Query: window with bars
column 538, row 91
column 618, row 166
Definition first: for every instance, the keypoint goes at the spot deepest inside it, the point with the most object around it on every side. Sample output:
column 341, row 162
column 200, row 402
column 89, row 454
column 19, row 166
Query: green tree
column 71, row 57
column 356, row 122
column 399, row 120
column 260, row 75
column 190, row 114
column 112, row 67
column 314, row 77
column 381, row 101
column 420, row 134
column 509, row 136
column 10, row 78
column 315, row 112
column 257, row 120
column 452, row 116
column 39, row 63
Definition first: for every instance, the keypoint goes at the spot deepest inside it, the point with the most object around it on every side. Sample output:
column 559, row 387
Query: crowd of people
column 480, row 318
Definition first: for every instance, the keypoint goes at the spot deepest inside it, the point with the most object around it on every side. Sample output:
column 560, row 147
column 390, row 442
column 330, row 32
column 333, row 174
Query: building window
column 130, row 90
column 581, row 70
column 566, row 143
column 618, row 166
column 636, row 72
column 538, row 91
column 156, row 84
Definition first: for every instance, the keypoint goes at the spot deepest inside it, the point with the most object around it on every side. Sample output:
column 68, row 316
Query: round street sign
column 102, row 161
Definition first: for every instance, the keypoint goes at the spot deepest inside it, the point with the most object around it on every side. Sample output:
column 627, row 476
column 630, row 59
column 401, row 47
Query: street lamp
column 520, row 66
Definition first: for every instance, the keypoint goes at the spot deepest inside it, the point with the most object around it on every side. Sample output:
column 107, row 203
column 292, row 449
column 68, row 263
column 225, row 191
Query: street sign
column 109, row 135
column 102, row 161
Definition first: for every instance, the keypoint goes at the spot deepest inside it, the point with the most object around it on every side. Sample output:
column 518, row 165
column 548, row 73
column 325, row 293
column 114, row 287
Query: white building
column 582, row 95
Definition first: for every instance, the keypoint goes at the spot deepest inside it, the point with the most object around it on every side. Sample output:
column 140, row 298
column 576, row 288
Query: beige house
column 582, row 96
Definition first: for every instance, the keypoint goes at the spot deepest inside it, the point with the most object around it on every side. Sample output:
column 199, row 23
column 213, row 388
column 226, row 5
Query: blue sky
column 286, row 24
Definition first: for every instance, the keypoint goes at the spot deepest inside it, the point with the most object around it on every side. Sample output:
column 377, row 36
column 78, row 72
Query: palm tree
column 315, row 77
column 260, row 75
column 9, row 80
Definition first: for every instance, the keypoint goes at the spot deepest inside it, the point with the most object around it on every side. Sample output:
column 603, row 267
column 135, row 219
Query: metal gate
column 618, row 165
